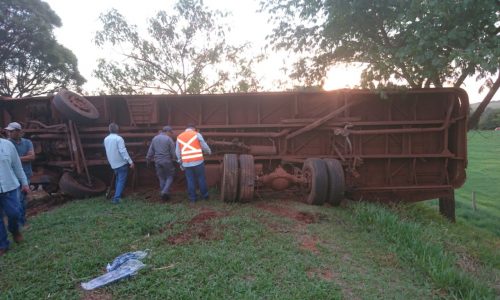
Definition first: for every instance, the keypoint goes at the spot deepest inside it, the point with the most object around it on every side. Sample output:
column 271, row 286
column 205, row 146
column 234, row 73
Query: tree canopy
column 184, row 52
column 32, row 62
column 415, row 43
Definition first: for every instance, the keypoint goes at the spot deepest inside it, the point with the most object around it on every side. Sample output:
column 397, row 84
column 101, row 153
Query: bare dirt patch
column 301, row 218
column 96, row 295
column 198, row 228
column 324, row 274
column 288, row 212
column 309, row 243
column 205, row 215
column 153, row 195
column 40, row 201
column 148, row 195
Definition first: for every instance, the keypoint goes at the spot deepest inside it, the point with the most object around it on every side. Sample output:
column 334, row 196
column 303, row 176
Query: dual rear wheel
column 324, row 181
column 238, row 178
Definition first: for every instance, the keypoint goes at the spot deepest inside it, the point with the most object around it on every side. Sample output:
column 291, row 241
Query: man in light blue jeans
column 118, row 159
column 11, row 174
column 26, row 153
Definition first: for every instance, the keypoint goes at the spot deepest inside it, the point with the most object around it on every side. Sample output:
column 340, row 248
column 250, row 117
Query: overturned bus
column 387, row 146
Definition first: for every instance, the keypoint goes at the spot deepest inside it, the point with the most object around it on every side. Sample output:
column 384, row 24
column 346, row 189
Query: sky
column 80, row 22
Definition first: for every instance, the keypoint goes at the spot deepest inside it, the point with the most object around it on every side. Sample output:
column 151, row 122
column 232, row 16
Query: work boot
column 3, row 251
column 165, row 197
column 18, row 237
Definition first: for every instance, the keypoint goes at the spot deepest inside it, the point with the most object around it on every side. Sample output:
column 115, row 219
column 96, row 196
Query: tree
column 490, row 120
column 417, row 43
column 32, row 62
column 185, row 52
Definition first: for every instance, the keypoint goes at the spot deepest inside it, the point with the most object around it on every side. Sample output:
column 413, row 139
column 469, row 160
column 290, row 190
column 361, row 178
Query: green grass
column 359, row 251
column 425, row 248
column 483, row 178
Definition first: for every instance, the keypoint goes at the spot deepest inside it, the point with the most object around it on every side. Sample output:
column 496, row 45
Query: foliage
column 185, row 52
column 32, row 62
column 420, row 43
column 490, row 120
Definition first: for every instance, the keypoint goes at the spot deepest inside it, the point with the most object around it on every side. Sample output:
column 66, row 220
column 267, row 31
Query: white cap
column 13, row 126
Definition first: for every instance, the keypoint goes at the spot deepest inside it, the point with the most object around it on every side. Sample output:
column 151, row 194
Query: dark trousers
column 165, row 173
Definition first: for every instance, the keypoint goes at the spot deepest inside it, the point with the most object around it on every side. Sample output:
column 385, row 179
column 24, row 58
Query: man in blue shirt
column 26, row 153
column 118, row 159
column 11, row 174
column 162, row 151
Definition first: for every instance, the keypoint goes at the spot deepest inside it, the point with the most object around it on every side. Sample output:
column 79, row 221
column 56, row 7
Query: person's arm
column 204, row 145
column 30, row 156
column 151, row 152
column 18, row 169
column 123, row 152
column 178, row 153
column 172, row 150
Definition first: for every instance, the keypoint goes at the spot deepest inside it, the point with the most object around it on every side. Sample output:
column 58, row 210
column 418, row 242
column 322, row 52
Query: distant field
column 483, row 177
column 492, row 105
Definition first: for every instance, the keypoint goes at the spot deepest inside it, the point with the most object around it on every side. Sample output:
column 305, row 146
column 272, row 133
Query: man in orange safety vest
column 189, row 149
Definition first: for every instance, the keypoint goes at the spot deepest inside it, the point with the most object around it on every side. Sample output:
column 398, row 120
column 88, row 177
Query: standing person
column 118, row 159
column 162, row 151
column 189, row 150
column 11, row 174
column 26, row 153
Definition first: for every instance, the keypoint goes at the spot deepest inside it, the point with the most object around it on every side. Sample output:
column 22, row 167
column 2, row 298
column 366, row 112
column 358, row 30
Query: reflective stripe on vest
column 190, row 146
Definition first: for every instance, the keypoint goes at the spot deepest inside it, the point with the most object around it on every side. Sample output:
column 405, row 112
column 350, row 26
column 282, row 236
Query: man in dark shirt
column 162, row 151
column 26, row 153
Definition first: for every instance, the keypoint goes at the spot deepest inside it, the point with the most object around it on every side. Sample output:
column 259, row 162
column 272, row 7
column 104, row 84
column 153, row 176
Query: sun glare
column 343, row 76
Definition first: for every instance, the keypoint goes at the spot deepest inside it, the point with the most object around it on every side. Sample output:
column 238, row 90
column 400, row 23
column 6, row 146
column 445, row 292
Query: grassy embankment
column 277, row 249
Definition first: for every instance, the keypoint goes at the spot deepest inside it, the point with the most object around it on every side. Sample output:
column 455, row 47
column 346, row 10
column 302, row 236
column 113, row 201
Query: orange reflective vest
column 190, row 146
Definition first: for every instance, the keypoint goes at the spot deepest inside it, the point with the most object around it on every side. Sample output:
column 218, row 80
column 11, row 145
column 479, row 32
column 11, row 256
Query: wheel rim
column 315, row 182
column 79, row 103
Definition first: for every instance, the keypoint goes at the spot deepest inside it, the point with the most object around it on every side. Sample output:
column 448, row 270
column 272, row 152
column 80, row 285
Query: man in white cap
column 26, row 153
column 118, row 159
column 162, row 151
column 11, row 174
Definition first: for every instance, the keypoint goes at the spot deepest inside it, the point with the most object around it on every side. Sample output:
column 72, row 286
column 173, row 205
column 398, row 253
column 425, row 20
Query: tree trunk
column 474, row 119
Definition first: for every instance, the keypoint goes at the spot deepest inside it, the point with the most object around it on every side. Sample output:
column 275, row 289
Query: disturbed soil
column 324, row 274
column 40, row 201
column 288, row 212
column 96, row 295
column 198, row 227
column 301, row 220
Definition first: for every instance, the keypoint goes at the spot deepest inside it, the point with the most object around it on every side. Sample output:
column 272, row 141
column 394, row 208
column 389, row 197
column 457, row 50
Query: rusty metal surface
column 407, row 145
